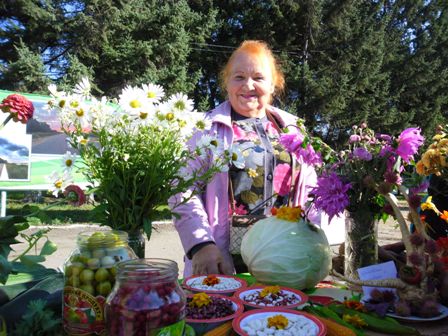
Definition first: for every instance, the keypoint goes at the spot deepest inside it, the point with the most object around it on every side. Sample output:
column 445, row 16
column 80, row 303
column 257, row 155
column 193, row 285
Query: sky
column 15, row 152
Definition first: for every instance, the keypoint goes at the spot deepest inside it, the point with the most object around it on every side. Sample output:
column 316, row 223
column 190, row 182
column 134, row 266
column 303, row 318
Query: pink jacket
column 205, row 217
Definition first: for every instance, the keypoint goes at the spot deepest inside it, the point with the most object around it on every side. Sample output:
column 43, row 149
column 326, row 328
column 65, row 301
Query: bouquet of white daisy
column 133, row 150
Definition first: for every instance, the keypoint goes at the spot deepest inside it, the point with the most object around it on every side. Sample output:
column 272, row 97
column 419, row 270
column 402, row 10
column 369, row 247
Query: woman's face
column 250, row 86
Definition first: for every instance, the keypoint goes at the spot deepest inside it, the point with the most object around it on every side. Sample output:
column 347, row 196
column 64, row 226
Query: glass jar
column 146, row 299
column 89, row 275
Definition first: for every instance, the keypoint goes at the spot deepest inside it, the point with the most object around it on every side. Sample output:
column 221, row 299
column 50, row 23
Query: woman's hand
column 209, row 260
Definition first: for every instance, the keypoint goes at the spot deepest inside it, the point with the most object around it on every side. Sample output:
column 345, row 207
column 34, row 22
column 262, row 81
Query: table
column 332, row 287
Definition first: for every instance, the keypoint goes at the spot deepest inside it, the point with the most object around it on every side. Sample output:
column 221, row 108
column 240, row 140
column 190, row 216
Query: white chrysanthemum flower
column 235, row 156
column 154, row 93
column 132, row 100
column 68, row 160
column 181, row 103
column 81, row 140
column 146, row 114
column 207, row 141
column 82, row 89
column 54, row 91
column 101, row 113
column 203, row 124
column 59, row 181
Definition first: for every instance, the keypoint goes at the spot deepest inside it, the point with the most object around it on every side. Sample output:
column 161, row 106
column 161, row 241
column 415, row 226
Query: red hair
column 258, row 49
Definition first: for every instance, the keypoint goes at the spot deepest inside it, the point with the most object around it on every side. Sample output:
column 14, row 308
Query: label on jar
column 83, row 313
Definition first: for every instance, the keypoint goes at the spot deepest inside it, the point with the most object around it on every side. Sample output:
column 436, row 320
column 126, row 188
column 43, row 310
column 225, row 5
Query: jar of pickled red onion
column 146, row 299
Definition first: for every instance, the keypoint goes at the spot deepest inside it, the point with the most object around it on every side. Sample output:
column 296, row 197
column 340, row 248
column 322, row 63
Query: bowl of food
column 278, row 321
column 214, row 284
column 271, row 296
column 205, row 312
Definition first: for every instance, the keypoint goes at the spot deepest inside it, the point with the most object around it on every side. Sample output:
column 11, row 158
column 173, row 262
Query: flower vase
column 136, row 241
column 361, row 242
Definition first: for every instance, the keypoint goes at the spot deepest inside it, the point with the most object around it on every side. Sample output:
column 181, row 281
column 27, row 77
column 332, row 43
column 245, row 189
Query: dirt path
column 164, row 243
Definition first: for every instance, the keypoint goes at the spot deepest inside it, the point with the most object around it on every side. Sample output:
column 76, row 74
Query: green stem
column 8, row 118
column 30, row 246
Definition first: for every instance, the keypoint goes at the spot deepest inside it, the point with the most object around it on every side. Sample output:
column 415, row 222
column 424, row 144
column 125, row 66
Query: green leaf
column 48, row 248
column 31, row 260
column 5, row 269
column 8, row 226
column 147, row 227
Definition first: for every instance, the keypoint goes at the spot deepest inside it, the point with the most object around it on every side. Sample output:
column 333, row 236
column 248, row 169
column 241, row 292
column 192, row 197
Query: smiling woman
column 263, row 175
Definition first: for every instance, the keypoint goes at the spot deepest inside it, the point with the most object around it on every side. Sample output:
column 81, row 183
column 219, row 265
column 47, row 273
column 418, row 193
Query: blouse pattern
column 265, row 180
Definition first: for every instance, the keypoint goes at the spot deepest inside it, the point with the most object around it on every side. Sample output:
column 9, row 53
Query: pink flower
column 282, row 179
column 20, row 108
column 362, row 154
column 74, row 195
column 409, row 142
column 309, row 156
column 330, row 194
column 354, row 138
column 292, row 142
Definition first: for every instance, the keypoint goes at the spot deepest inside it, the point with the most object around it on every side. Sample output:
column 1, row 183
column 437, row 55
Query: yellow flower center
column 200, row 124
column 80, row 112
column 83, row 141
column 169, row 116
column 211, row 280
column 74, row 103
column 182, row 123
column 61, row 103
column 278, row 322
column 199, row 300
column 269, row 290
column 289, row 213
column 143, row 115
column 68, row 162
column 58, row 184
column 151, row 94
column 214, row 143
column 180, row 105
column 354, row 320
column 135, row 103
column 234, row 156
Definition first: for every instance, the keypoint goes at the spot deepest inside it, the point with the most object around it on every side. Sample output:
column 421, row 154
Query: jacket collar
column 221, row 114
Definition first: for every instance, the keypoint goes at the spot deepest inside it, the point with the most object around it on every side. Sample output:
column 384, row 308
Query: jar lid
column 148, row 270
column 107, row 238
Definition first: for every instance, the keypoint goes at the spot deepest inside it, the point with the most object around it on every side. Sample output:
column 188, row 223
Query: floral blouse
column 265, row 180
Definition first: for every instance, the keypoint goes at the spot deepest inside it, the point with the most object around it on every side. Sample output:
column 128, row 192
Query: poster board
column 30, row 152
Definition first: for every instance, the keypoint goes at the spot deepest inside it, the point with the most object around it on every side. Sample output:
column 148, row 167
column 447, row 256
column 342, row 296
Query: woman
column 251, row 77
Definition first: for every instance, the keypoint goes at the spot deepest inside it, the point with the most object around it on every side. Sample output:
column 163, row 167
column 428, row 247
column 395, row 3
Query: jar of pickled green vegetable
column 89, row 275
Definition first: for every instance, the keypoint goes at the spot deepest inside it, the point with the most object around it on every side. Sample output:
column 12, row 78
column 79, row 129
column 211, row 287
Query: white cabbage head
column 285, row 253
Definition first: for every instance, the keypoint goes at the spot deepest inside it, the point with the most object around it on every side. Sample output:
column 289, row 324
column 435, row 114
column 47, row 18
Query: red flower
column 442, row 242
column 74, row 195
column 20, row 108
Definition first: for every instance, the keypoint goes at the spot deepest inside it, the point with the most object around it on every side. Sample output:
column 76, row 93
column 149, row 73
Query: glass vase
column 361, row 242
column 136, row 241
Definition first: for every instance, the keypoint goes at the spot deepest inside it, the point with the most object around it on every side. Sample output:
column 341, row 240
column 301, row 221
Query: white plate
column 443, row 313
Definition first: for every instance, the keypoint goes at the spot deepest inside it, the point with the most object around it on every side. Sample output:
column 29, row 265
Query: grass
column 56, row 215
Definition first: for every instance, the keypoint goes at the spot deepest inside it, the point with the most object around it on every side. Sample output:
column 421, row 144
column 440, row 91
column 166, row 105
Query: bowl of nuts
column 214, row 284
column 205, row 312
column 270, row 296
